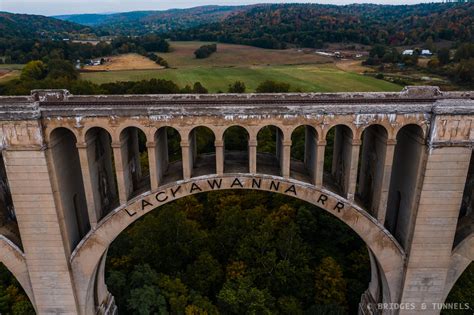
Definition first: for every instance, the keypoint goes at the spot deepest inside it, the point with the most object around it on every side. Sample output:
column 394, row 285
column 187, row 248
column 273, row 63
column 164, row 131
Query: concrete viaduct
column 397, row 168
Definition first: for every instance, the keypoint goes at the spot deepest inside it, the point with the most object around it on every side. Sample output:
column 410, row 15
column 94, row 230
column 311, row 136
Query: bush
column 157, row 59
column 464, row 72
column 270, row 86
column 205, row 51
column 62, row 69
column 199, row 89
column 237, row 87
column 443, row 56
column 464, row 52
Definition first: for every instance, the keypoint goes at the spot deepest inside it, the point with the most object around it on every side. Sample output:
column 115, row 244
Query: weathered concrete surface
column 410, row 232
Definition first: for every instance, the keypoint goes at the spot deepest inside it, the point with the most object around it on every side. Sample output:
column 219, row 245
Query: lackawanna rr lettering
column 154, row 200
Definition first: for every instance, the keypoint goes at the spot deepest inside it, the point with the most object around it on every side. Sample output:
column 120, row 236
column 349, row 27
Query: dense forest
column 238, row 253
column 37, row 26
column 312, row 25
column 17, row 50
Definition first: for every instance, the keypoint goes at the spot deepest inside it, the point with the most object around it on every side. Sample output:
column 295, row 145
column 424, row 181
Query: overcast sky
column 55, row 7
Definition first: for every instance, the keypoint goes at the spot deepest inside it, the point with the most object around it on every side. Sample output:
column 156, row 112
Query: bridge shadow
column 236, row 162
column 173, row 173
column 204, row 164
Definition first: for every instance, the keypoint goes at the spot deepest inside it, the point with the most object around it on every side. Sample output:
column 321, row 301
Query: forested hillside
column 141, row 22
column 313, row 25
column 36, row 26
column 269, row 25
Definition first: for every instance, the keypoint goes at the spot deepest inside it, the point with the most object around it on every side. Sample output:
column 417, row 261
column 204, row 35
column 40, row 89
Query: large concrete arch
column 14, row 259
column 462, row 257
column 86, row 257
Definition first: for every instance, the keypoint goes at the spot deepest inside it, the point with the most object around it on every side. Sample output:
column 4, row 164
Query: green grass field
column 306, row 78
column 303, row 69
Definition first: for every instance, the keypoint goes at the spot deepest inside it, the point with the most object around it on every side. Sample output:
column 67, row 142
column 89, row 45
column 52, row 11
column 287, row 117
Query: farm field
column 9, row 72
column 304, row 71
column 182, row 55
column 306, row 78
column 125, row 62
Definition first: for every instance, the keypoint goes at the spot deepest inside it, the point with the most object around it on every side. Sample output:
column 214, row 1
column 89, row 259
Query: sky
column 57, row 7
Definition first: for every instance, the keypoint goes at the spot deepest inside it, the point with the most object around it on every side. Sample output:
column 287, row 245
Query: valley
column 303, row 69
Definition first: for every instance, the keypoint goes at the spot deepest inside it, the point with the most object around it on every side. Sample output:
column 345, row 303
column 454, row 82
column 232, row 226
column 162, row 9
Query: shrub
column 205, row 51
column 270, row 86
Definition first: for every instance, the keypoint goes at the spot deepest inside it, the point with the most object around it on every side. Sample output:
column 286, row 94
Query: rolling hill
column 140, row 22
column 312, row 25
column 32, row 26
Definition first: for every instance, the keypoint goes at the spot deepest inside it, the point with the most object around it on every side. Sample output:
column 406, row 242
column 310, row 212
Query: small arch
column 337, row 159
column 403, row 182
column 270, row 150
column 135, row 164
column 236, row 150
column 381, row 124
column 201, row 140
column 134, row 126
column 422, row 128
column 168, row 155
column 304, row 150
column 88, row 128
column 98, row 144
column 70, row 184
column 49, row 131
column 371, row 167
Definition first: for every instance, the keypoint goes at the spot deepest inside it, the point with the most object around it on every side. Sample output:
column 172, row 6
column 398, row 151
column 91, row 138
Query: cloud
column 56, row 7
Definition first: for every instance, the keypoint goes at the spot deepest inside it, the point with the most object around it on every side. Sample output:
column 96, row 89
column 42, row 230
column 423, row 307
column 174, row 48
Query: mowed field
column 302, row 69
column 125, row 62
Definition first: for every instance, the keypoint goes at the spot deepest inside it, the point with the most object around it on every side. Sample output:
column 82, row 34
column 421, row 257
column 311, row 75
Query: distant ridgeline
column 266, row 25
column 36, row 26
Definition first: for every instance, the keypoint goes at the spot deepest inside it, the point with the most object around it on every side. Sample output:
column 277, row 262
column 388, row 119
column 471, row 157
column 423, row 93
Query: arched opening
column 371, row 167
column 236, row 150
column 14, row 299
column 462, row 292
column 337, row 159
column 270, row 150
column 8, row 222
column 203, row 151
column 168, row 155
column 303, row 164
column 403, row 183
column 70, row 184
column 134, row 157
column 465, row 226
column 233, row 251
column 102, row 171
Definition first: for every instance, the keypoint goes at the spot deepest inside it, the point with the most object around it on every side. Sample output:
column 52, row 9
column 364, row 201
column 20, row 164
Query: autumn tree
column 329, row 283
column 34, row 70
